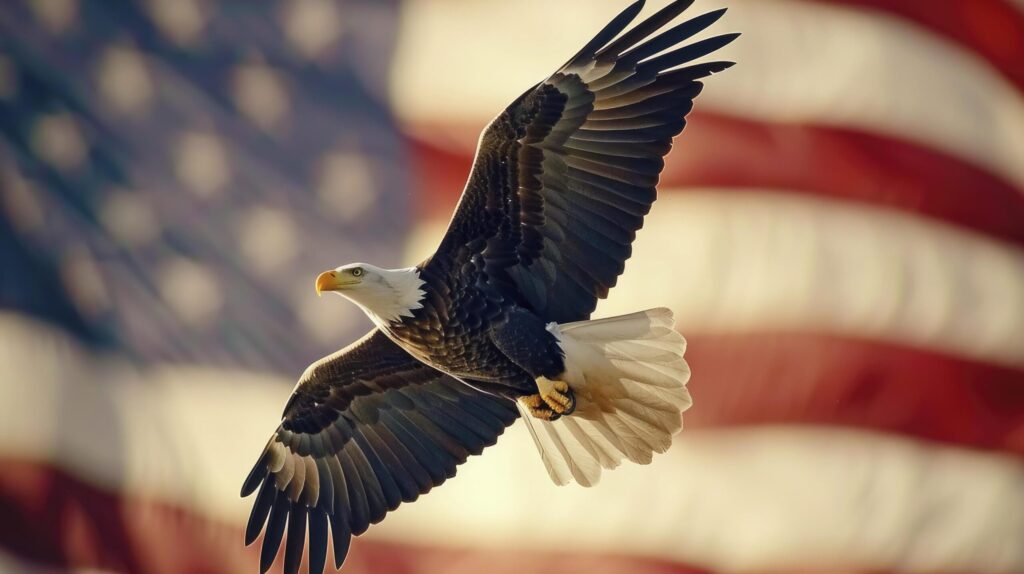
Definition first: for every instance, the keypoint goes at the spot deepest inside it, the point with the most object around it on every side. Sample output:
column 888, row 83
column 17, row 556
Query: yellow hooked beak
column 331, row 281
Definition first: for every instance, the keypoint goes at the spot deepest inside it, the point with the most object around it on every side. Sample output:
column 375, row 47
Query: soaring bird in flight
column 495, row 324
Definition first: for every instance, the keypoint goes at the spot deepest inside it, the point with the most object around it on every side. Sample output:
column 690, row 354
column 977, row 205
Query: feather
column 317, row 540
column 408, row 490
column 362, row 474
column 687, row 53
column 260, row 510
column 359, row 511
column 339, row 483
column 673, row 36
column 644, row 29
column 275, row 531
column 278, row 454
column 257, row 474
column 296, row 539
column 298, row 479
column 379, row 473
column 284, row 476
column 454, row 448
column 640, row 149
column 326, row 482
column 582, row 465
column 419, row 478
column 633, row 199
column 341, row 535
column 312, row 490
column 431, row 408
column 427, row 453
column 610, row 30
column 629, row 380
column 591, row 440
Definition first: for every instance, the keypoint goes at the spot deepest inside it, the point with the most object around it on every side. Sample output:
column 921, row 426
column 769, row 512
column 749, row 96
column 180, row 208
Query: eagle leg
column 557, row 395
column 554, row 400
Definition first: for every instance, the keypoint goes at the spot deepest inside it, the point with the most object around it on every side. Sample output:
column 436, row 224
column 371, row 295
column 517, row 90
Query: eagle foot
column 557, row 395
column 538, row 408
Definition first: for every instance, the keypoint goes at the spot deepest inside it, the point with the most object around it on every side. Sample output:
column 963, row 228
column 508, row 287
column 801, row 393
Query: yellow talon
column 557, row 395
column 538, row 408
column 531, row 401
column 554, row 400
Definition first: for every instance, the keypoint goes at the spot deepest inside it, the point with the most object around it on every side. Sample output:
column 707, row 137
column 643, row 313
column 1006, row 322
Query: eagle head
column 386, row 295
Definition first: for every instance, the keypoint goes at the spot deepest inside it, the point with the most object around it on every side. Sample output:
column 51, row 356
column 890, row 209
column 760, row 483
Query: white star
column 55, row 15
column 57, row 139
column 268, row 238
column 346, row 186
column 124, row 79
column 191, row 291
column 260, row 93
column 20, row 200
column 311, row 26
column 180, row 20
column 202, row 163
column 83, row 282
column 129, row 218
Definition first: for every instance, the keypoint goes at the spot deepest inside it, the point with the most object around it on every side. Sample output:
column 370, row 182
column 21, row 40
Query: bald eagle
column 495, row 325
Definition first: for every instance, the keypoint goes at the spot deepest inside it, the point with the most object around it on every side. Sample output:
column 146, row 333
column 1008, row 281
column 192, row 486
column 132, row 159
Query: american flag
column 840, row 232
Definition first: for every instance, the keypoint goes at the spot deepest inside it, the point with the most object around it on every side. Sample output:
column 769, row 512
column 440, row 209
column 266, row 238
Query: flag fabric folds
column 839, row 231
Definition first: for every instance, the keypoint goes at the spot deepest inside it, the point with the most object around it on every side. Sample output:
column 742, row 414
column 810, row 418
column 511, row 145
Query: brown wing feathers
column 368, row 428
column 573, row 163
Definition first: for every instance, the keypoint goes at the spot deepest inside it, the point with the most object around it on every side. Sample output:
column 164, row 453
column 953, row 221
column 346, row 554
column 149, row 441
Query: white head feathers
column 385, row 295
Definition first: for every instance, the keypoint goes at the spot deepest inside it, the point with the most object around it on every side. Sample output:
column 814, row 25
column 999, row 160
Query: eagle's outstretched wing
column 564, row 176
column 366, row 429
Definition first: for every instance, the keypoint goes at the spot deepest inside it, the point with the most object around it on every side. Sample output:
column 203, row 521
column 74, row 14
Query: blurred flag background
column 840, row 232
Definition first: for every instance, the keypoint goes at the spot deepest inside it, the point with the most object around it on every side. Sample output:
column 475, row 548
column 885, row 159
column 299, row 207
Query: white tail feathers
column 629, row 379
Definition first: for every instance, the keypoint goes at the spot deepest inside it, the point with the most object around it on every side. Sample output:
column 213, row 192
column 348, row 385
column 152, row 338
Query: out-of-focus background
column 840, row 231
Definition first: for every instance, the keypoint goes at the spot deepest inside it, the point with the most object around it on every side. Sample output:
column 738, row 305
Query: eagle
column 495, row 325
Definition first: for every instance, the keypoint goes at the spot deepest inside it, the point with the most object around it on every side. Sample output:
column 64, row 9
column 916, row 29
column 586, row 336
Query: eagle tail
column 628, row 378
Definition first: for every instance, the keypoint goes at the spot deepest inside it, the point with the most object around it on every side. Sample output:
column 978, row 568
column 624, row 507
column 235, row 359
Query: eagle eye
column 357, row 272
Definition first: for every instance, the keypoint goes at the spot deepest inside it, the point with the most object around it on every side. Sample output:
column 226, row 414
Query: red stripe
column 844, row 164
column 53, row 519
column 821, row 380
column 993, row 29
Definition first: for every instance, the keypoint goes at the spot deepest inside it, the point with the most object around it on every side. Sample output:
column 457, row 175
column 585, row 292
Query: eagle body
column 468, row 329
column 496, row 326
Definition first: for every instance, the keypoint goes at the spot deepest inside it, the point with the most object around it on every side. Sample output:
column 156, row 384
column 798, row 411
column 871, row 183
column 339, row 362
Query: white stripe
column 798, row 62
column 185, row 436
column 729, row 260
column 767, row 499
column 751, row 500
